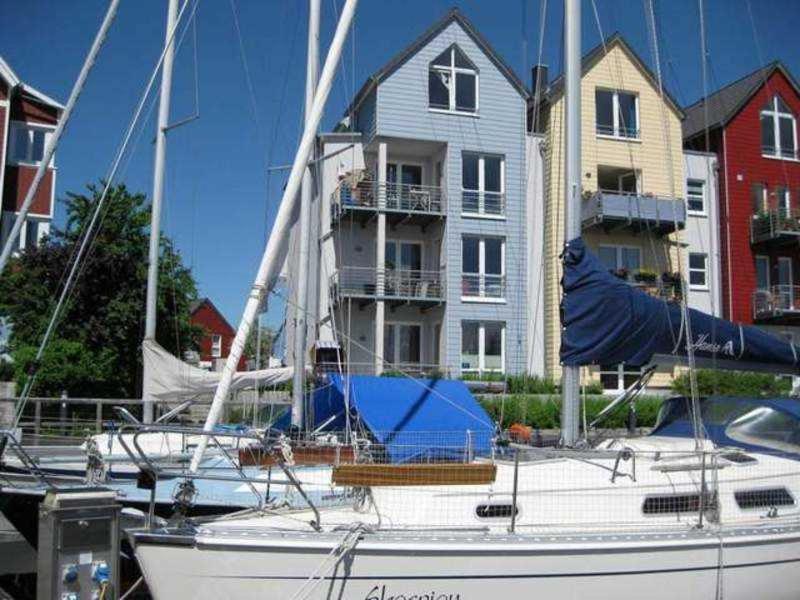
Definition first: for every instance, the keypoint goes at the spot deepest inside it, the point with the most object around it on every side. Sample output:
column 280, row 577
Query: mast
column 158, row 194
column 270, row 261
column 307, row 190
column 570, row 378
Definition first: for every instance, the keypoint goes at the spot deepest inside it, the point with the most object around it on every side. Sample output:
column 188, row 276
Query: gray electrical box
column 78, row 545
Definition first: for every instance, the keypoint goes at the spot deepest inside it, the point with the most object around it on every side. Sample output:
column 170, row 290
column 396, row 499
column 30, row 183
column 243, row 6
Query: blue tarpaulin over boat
column 413, row 419
column 608, row 321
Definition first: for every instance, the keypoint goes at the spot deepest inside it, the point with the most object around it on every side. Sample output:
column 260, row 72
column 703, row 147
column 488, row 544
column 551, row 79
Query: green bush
column 733, row 383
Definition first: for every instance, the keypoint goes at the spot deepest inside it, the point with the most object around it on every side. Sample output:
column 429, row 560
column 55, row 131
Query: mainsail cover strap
column 607, row 321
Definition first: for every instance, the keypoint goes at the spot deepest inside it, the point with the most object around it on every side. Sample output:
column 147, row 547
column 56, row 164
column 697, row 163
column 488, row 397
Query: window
column 216, row 345
column 696, row 196
column 768, row 427
column 482, row 183
column 617, row 113
column 482, row 346
column 764, row 498
column 402, row 343
column 28, row 143
column 698, row 278
column 615, row 378
column 453, row 82
column 483, row 268
column 778, row 130
column 762, row 272
column 622, row 261
column 759, row 195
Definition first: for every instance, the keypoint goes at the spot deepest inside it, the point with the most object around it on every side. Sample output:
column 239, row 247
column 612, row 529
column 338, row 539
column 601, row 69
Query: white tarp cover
column 172, row 379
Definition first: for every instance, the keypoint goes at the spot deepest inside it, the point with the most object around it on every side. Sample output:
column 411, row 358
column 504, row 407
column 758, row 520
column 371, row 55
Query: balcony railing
column 369, row 195
column 775, row 225
column 483, row 286
column 776, row 302
column 410, row 369
column 400, row 284
column 621, row 131
column 490, row 204
column 612, row 209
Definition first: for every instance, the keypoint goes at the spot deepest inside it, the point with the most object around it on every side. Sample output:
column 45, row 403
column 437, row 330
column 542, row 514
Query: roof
column 726, row 102
column 13, row 81
column 453, row 15
column 200, row 302
column 591, row 58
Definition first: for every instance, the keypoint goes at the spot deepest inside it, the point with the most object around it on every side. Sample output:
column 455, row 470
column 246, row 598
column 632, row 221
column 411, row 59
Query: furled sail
column 169, row 378
column 608, row 321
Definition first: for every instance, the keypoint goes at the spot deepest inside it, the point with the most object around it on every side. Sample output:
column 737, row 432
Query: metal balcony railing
column 483, row 203
column 612, row 209
column 775, row 225
column 777, row 301
column 481, row 285
column 396, row 197
column 410, row 369
column 402, row 284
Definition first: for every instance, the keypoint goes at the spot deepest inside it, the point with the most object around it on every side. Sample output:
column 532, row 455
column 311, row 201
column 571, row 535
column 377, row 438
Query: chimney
column 539, row 80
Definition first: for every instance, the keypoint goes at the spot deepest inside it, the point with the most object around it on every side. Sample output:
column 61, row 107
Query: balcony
column 483, row 204
column 776, row 226
column 397, row 286
column 402, row 203
column 611, row 210
column 390, row 369
column 779, row 302
column 479, row 287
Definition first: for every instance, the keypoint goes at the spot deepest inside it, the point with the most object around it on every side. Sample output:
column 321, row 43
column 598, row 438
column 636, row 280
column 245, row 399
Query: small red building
column 215, row 345
column 27, row 121
column 752, row 127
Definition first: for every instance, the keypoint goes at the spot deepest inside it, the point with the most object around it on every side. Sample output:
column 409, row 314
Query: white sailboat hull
column 742, row 565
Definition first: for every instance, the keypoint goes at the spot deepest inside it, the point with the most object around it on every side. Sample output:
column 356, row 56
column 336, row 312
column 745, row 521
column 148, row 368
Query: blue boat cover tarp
column 414, row 419
column 608, row 321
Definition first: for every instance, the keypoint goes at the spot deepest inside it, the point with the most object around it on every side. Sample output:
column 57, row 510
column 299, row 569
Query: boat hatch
column 739, row 457
column 675, row 503
column 496, row 511
column 764, row 498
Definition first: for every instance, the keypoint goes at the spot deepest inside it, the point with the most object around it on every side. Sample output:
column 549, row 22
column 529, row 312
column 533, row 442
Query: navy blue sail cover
column 607, row 321
column 413, row 419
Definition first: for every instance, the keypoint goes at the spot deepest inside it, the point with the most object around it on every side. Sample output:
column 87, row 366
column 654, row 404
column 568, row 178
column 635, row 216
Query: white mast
column 158, row 194
column 270, row 264
column 570, row 379
column 50, row 149
column 301, row 308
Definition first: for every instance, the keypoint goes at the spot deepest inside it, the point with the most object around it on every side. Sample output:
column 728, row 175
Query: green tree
column 268, row 339
column 96, row 348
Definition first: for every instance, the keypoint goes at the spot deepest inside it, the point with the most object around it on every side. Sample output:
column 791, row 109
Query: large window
column 482, row 182
column 762, row 272
column 616, row 378
column 698, row 270
column 617, row 113
column 483, row 268
column 453, row 82
column 622, row 261
column 482, row 346
column 778, row 130
column 27, row 143
column 696, row 196
column 402, row 343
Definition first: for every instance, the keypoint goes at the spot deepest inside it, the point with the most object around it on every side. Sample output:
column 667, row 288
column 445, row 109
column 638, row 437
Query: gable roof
column 13, row 81
column 725, row 103
column 200, row 302
column 453, row 15
column 591, row 58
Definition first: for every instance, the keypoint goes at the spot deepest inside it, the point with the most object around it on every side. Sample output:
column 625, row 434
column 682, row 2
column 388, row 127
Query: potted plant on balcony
column 672, row 282
column 622, row 273
column 645, row 276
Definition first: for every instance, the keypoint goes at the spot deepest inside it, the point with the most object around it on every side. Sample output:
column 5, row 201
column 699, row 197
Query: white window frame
column 397, row 325
column 764, row 258
column 451, row 70
column 482, row 346
column 776, row 115
column 481, row 191
column 704, row 270
column 619, row 372
column 482, row 266
column 615, row 116
column 703, row 198
column 14, row 127
column 618, row 249
column 216, row 347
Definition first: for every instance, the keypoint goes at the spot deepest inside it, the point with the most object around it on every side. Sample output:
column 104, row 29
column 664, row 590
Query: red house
column 215, row 345
column 27, row 120
column 752, row 127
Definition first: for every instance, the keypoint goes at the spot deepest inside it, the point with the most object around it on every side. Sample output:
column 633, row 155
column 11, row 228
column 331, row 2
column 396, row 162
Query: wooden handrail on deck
column 418, row 474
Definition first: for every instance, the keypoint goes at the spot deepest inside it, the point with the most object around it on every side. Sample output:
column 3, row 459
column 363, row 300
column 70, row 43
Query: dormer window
column 778, row 130
column 453, row 82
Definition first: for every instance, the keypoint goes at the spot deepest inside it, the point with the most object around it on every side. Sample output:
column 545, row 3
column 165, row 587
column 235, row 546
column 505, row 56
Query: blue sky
column 219, row 197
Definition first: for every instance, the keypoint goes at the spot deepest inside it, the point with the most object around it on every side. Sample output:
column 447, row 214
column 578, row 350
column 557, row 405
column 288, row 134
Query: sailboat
column 657, row 518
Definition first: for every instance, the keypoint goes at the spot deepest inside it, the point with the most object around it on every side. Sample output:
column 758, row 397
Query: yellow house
column 633, row 183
